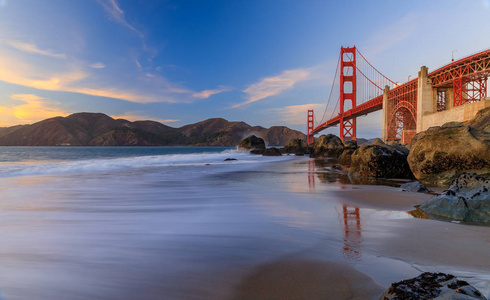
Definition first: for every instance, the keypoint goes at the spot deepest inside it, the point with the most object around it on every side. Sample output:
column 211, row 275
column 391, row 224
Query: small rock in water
column 228, row 159
column 415, row 187
column 432, row 286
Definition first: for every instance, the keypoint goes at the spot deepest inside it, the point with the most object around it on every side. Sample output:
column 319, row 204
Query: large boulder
column 379, row 160
column 467, row 200
column 296, row 146
column 328, row 146
column 427, row 286
column 252, row 143
column 439, row 154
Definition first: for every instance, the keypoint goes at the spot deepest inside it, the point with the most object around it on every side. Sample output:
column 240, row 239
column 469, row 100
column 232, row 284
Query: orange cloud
column 208, row 93
column 32, row 48
column 32, row 109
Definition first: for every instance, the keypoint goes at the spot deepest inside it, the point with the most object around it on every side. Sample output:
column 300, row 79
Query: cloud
column 98, row 65
column 296, row 114
column 271, row 86
column 208, row 93
column 32, row 109
column 32, row 48
column 16, row 71
column 117, row 14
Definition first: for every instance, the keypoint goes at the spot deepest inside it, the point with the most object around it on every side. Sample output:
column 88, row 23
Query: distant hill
column 96, row 129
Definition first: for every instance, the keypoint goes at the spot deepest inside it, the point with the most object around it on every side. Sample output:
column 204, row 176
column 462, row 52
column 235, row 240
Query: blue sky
column 179, row 62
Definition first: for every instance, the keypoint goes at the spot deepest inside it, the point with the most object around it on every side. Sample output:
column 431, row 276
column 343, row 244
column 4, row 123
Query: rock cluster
column 256, row 145
column 467, row 200
column 439, row 154
column 432, row 286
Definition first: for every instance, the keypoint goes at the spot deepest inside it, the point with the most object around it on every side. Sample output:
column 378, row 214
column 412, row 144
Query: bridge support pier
column 425, row 97
column 384, row 133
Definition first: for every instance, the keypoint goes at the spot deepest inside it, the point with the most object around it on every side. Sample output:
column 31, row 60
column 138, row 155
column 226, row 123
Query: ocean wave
column 129, row 163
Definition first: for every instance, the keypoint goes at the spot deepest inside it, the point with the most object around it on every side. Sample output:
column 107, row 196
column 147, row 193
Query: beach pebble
column 438, row 286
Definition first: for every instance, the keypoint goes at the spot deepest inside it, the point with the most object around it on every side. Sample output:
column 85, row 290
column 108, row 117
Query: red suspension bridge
column 363, row 90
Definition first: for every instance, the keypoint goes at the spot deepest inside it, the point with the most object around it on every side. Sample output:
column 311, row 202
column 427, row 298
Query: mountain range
column 97, row 129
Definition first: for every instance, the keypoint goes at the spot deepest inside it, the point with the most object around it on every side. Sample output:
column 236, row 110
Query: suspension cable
column 331, row 90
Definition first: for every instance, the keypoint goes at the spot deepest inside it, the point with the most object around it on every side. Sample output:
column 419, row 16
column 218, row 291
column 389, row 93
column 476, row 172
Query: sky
column 264, row 62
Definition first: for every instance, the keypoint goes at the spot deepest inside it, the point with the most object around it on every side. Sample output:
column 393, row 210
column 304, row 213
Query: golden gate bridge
column 364, row 89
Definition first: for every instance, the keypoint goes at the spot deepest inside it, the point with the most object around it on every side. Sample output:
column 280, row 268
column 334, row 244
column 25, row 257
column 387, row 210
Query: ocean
column 180, row 222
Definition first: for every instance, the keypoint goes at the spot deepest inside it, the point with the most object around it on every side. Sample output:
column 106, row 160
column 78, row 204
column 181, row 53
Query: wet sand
column 403, row 248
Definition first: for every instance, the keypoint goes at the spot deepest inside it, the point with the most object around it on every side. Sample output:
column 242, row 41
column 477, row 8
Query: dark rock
column 439, row 154
column 414, row 187
column 379, row 160
column 271, row 152
column 252, row 143
column 296, row 146
column 399, row 147
column 432, row 286
column 328, row 146
column 345, row 159
column 228, row 159
column 467, row 200
column 258, row 152
column 351, row 144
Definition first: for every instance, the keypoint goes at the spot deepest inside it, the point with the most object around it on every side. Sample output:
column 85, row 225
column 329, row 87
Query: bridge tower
column 348, row 83
column 310, row 139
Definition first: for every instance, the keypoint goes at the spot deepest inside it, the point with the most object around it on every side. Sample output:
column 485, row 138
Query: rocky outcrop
column 379, row 160
column 252, row 143
column 328, row 146
column 414, row 187
column 439, row 154
column 437, row 286
column 296, row 146
column 467, row 200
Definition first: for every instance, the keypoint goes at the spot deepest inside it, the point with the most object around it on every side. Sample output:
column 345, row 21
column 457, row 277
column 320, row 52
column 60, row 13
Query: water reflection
column 352, row 233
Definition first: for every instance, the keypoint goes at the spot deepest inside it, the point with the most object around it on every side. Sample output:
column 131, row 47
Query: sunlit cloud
column 271, row 86
column 98, row 65
column 117, row 14
column 33, row 49
column 208, row 93
column 32, row 109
